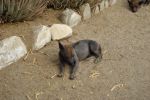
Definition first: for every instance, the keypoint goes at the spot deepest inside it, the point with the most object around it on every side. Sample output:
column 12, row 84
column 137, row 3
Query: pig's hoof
column 60, row 75
column 72, row 77
column 96, row 60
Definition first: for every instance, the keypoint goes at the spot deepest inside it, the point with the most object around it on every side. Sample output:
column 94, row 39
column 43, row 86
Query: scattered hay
column 53, row 76
column 29, row 52
column 117, row 86
column 44, row 53
column 34, row 61
column 28, row 97
column 37, row 94
column 94, row 74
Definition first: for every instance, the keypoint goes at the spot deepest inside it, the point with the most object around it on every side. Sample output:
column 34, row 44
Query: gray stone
column 102, row 5
column 42, row 36
column 112, row 2
column 85, row 11
column 70, row 17
column 95, row 10
column 11, row 50
column 106, row 4
column 60, row 31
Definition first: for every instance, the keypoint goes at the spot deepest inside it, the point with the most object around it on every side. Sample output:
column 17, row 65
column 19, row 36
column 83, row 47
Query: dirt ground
column 123, row 74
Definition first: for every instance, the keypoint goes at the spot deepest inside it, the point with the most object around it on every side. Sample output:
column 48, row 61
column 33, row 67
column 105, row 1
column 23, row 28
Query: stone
column 70, row 17
column 106, row 4
column 60, row 31
column 11, row 50
column 102, row 5
column 95, row 10
column 112, row 2
column 42, row 36
column 85, row 11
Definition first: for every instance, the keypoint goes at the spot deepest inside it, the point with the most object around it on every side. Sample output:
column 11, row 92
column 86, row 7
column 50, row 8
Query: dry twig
column 37, row 94
column 94, row 74
column 34, row 60
column 117, row 86
column 53, row 76
column 28, row 97
column 30, row 51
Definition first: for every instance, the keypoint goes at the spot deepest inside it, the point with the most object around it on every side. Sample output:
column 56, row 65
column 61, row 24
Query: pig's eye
column 72, row 57
column 74, row 62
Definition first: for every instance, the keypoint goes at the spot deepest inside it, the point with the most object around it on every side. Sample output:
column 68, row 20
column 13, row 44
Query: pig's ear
column 129, row 1
column 140, row 3
column 61, row 47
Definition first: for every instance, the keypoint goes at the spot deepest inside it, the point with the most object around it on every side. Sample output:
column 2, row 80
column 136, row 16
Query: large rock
column 42, row 36
column 112, row 2
column 85, row 11
column 70, row 17
column 102, row 5
column 106, row 3
column 95, row 10
column 60, row 31
column 11, row 50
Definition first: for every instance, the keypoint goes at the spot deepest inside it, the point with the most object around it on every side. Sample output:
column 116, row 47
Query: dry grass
column 19, row 10
column 62, row 4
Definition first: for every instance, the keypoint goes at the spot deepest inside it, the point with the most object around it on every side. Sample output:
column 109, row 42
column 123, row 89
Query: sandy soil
column 123, row 74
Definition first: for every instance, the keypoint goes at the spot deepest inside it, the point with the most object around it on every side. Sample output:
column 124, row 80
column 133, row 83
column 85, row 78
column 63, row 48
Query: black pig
column 73, row 53
column 135, row 4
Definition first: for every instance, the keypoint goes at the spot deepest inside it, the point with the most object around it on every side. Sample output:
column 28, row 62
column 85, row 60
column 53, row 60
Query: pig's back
column 82, row 49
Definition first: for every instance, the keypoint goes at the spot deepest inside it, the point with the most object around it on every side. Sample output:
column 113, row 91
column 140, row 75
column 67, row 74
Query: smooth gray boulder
column 42, row 36
column 60, row 31
column 102, row 5
column 95, row 10
column 85, row 11
column 112, row 2
column 11, row 50
column 106, row 3
column 70, row 17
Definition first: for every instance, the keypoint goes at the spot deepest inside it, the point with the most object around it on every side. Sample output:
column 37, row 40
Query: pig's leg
column 147, row 2
column 98, row 56
column 96, row 51
column 61, row 68
column 73, row 70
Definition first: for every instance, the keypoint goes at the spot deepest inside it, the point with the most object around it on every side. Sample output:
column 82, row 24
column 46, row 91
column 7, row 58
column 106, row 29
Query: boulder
column 11, row 50
column 60, row 31
column 85, row 11
column 95, row 10
column 102, row 5
column 106, row 4
column 42, row 36
column 112, row 2
column 70, row 17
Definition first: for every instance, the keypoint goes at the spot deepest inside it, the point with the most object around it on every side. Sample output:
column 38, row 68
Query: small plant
column 61, row 4
column 19, row 10
column 93, row 2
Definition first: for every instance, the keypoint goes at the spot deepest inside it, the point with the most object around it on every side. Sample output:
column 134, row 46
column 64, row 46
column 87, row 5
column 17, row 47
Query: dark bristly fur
column 135, row 4
column 71, row 54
